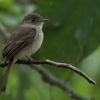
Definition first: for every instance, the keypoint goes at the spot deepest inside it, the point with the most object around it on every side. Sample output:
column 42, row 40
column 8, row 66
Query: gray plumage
column 25, row 40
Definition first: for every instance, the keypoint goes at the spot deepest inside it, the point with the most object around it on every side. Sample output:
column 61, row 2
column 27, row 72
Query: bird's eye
column 33, row 19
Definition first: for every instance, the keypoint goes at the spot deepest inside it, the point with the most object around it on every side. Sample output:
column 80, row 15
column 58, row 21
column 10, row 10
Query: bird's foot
column 28, row 58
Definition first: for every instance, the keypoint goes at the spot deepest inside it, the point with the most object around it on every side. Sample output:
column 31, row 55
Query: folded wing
column 18, row 41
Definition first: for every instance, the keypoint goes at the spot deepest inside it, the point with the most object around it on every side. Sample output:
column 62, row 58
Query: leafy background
column 71, row 36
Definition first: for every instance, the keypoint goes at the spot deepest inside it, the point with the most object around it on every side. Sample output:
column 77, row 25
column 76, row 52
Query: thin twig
column 59, row 65
column 51, row 92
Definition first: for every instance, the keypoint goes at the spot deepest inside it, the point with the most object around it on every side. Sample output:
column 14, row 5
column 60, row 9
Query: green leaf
column 72, row 31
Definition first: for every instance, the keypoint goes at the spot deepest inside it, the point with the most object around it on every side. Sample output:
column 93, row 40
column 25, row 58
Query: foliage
column 71, row 35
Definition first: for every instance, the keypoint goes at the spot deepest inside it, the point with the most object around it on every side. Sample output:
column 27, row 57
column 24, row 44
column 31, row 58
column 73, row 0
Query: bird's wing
column 19, row 40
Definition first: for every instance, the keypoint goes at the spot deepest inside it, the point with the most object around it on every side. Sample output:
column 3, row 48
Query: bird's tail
column 10, row 64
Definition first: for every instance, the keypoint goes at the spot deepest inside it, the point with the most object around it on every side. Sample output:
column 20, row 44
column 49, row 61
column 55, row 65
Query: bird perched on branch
column 24, row 41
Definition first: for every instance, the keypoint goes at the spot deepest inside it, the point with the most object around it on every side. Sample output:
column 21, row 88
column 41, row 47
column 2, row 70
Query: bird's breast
column 37, row 41
column 32, row 47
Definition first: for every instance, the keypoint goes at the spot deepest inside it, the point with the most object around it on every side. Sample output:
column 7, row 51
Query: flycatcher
column 24, row 41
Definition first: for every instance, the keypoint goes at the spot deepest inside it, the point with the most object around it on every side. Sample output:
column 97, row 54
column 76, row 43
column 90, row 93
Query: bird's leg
column 28, row 58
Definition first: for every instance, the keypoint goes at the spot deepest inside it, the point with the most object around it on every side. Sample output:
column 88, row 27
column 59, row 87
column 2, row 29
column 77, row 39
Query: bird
column 25, row 41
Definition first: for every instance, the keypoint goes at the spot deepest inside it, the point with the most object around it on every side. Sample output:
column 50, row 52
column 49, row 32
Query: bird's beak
column 45, row 20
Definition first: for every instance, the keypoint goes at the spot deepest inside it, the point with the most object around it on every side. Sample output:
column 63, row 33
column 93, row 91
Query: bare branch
column 51, row 92
column 59, row 65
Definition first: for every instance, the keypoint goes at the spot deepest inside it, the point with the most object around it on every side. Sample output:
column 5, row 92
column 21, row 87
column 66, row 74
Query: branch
column 51, row 92
column 59, row 65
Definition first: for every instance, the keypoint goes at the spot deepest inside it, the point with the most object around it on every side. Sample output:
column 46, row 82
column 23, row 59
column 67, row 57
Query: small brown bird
column 24, row 41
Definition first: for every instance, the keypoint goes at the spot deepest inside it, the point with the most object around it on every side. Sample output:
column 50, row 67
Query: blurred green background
column 72, row 35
